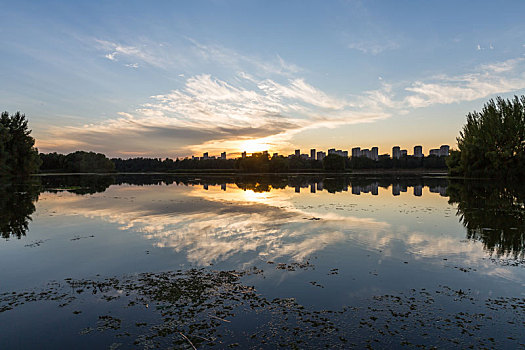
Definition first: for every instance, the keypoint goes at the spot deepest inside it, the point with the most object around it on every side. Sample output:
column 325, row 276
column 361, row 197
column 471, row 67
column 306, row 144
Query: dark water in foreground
column 261, row 262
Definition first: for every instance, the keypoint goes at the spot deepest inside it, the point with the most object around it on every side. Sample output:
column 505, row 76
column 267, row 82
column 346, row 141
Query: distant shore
column 436, row 172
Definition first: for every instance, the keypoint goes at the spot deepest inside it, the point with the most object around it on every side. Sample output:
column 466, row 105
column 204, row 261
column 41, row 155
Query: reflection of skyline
column 357, row 189
column 232, row 207
column 300, row 183
column 243, row 222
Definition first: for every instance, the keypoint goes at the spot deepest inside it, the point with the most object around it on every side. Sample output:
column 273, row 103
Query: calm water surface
column 148, row 261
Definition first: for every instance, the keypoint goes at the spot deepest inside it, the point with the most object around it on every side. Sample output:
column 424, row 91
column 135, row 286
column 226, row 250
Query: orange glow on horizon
column 253, row 146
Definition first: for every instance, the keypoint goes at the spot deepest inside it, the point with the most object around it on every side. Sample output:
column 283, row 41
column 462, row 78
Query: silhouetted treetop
column 18, row 157
column 492, row 142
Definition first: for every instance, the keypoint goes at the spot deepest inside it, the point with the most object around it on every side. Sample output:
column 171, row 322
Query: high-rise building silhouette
column 396, row 152
column 396, row 189
column 375, row 153
column 418, row 151
column 444, row 150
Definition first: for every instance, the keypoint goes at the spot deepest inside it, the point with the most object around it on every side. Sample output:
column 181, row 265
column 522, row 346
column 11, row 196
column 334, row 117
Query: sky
column 179, row 78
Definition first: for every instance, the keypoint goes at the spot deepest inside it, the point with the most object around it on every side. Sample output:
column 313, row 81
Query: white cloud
column 500, row 67
column 300, row 90
column 215, row 113
column 150, row 53
column 270, row 103
column 111, row 56
column 484, row 81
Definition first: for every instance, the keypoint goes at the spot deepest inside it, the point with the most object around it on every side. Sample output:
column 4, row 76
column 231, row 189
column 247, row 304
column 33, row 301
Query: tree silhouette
column 334, row 162
column 18, row 157
column 492, row 142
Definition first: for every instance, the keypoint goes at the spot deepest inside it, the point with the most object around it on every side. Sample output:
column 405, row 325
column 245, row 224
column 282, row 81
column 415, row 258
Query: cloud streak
column 140, row 52
column 484, row 81
column 372, row 47
column 215, row 114
column 209, row 111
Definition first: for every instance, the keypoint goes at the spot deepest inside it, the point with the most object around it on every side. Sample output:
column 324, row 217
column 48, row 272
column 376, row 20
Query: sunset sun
column 252, row 146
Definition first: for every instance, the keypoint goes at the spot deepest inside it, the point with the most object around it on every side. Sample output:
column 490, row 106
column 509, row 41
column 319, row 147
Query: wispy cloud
column 373, row 47
column 142, row 52
column 486, row 80
column 215, row 114
column 479, row 47
column 168, row 56
column 483, row 81
column 227, row 57
column 209, row 111
column 500, row 67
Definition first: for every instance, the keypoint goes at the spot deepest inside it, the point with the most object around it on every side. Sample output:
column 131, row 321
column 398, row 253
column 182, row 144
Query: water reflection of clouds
column 215, row 229
column 214, row 225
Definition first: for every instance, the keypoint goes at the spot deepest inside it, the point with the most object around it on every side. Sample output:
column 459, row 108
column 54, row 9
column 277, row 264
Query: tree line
column 262, row 162
column 490, row 144
column 76, row 162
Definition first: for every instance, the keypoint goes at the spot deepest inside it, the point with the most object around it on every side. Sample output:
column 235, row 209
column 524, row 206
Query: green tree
column 18, row 156
column 454, row 163
column 492, row 142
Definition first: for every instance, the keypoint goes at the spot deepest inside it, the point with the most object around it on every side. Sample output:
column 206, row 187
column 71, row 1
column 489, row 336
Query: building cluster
column 372, row 188
column 443, row 151
column 206, row 156
column 372, row 153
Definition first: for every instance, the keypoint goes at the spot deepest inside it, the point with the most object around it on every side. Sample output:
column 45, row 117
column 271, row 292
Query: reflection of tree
column 79, row 184
column 89, row 184
column 495, row 215
column 260, row 183
column 16, row 207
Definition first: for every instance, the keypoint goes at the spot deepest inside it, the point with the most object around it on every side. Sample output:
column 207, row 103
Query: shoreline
column 422, row 172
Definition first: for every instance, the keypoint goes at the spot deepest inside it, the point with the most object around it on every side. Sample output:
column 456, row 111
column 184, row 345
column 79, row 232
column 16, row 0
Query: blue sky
column 171, row 79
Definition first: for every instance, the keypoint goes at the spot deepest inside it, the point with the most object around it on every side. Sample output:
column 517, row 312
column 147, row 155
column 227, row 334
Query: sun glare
column 252, row 146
